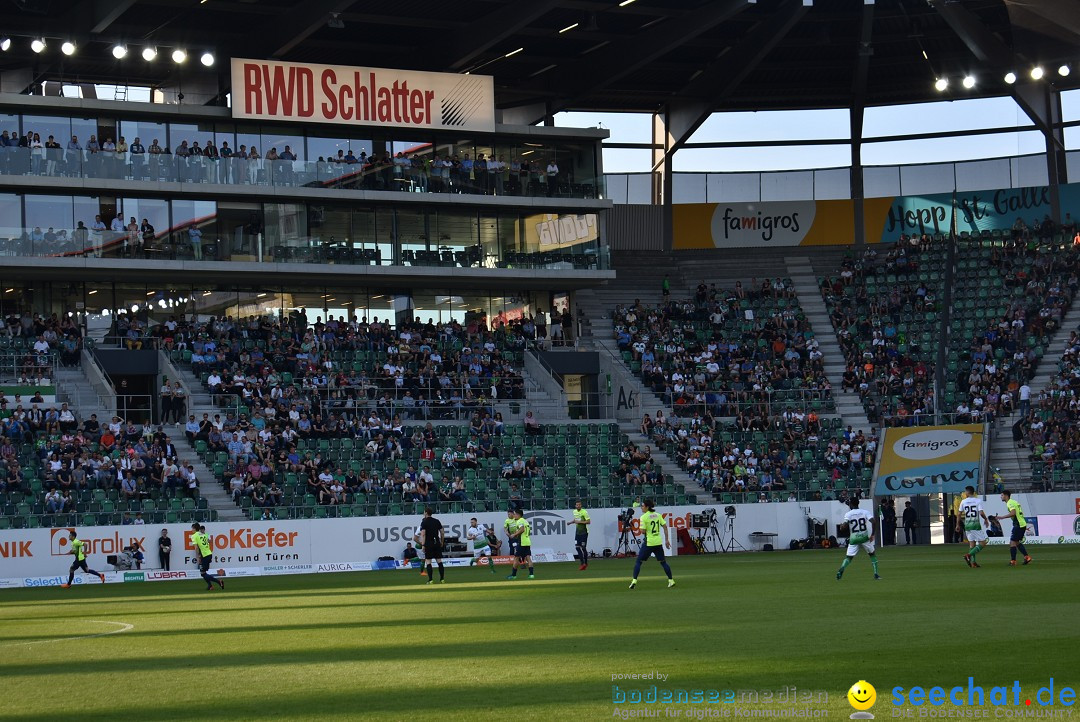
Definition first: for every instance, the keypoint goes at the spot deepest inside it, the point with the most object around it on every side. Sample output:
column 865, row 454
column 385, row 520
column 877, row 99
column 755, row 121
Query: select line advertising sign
column 309, row 93
column 929, row 459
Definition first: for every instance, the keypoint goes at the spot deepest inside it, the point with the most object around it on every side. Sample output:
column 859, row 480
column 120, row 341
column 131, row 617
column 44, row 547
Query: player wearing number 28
column 860, row 534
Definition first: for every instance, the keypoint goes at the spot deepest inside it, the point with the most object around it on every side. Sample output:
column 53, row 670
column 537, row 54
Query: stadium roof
column 600, row 55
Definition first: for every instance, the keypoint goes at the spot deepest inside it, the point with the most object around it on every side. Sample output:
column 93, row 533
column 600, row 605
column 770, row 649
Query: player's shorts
column 523, row 551
column 853, row 549
column 205, row 562
column 581, row 540
column 644, row 552
column 434, row 552
column 482, row 551
column 80, row 564
column 975, row 535
column 1018, row 533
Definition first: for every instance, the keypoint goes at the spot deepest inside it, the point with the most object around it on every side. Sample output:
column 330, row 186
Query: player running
column 485, row 545
column 581, row 535
column 206, row 556
column 523, row 555
column 432, row 539
column 79, row 552
column 1016, row 540
column 656, row 541
column 972, row 516
column 860, row 534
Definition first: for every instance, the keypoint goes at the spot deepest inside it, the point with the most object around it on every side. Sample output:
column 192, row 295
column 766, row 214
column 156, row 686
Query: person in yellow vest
column 206, row 556
column 522, row 532
column 78, row 550
column 656, row 541
column 581, row 534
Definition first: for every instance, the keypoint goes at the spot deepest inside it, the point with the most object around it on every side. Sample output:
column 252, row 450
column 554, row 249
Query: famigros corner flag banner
column 929, row 459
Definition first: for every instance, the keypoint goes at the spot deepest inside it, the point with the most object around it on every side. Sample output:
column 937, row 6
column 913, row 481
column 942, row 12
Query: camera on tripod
column 626, row 517
column 705, row 520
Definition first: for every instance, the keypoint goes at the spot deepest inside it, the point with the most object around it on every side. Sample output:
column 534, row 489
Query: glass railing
column 180, row 244
column 181, row 167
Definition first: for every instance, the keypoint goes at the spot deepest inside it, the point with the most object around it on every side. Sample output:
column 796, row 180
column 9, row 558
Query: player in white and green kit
column 481, row 544
column 973, row 518
column 860, row 534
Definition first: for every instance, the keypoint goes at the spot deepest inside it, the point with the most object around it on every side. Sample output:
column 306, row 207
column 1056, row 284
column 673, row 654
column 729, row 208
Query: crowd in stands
column 1037, row 283
column 31, row 342
column 724, row 350
column 792, row 452
column 877, row 303
column 190, row 162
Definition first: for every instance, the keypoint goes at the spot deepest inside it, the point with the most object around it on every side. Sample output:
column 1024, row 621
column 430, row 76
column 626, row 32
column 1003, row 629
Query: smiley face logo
column 862, row 695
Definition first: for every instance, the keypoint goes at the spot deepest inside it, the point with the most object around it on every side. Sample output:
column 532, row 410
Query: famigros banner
column 275, row 90
column 930, row 459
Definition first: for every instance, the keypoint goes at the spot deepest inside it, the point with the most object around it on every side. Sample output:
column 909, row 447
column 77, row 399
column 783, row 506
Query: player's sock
column 530, row 571
column 71, row 578
column 513, row 572
column 873, row 561
column 428, row 570
column 442, row 571
column 637, row 568
column 974, row 550
column 667, row 569
column 491, row 563
column 1012, row 553
column 844, row 564
column 1021, row 549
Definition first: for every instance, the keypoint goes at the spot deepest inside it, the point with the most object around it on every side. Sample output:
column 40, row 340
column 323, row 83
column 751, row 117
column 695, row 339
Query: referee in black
column 432, row 539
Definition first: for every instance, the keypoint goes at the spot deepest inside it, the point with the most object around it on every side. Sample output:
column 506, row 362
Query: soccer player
column 581, row 534
column 523, row 553
column 860, row 534
column 972, row 516
column 1016, row 540
column 79, row 553
column 656, row 541
column 206, row 555
column 432, row 539
column 510, row 526
column 481, row 544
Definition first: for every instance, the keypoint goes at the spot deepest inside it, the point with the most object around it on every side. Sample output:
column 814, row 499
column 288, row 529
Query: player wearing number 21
column 656, row 541
column 860, row 534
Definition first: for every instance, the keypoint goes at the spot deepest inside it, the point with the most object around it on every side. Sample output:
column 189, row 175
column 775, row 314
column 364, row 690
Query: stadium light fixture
column 207, row 59
column 969, row 81
column 179, row 56
column 568, row 28
column 513, row 52
column 941, row 84
column 5, row 44
column 1010, row 77
column 119, row 51
column 1064, row 71
column 68, row 48
column 624, row 3
column 37, row 44
column 1037, row 72
column 149, row 53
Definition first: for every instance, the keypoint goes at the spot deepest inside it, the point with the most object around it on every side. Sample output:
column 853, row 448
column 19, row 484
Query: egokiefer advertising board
column 306, row 545
column 813, row 223
column 309, row 93
column 929, row 459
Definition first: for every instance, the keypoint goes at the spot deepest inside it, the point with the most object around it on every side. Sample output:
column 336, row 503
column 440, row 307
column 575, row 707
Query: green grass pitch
column 383, row 645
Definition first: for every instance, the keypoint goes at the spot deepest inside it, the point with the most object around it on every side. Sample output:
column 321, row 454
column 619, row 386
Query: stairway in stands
column 848, row 404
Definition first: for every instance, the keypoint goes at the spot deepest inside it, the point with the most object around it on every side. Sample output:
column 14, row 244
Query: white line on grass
column 121, row 627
